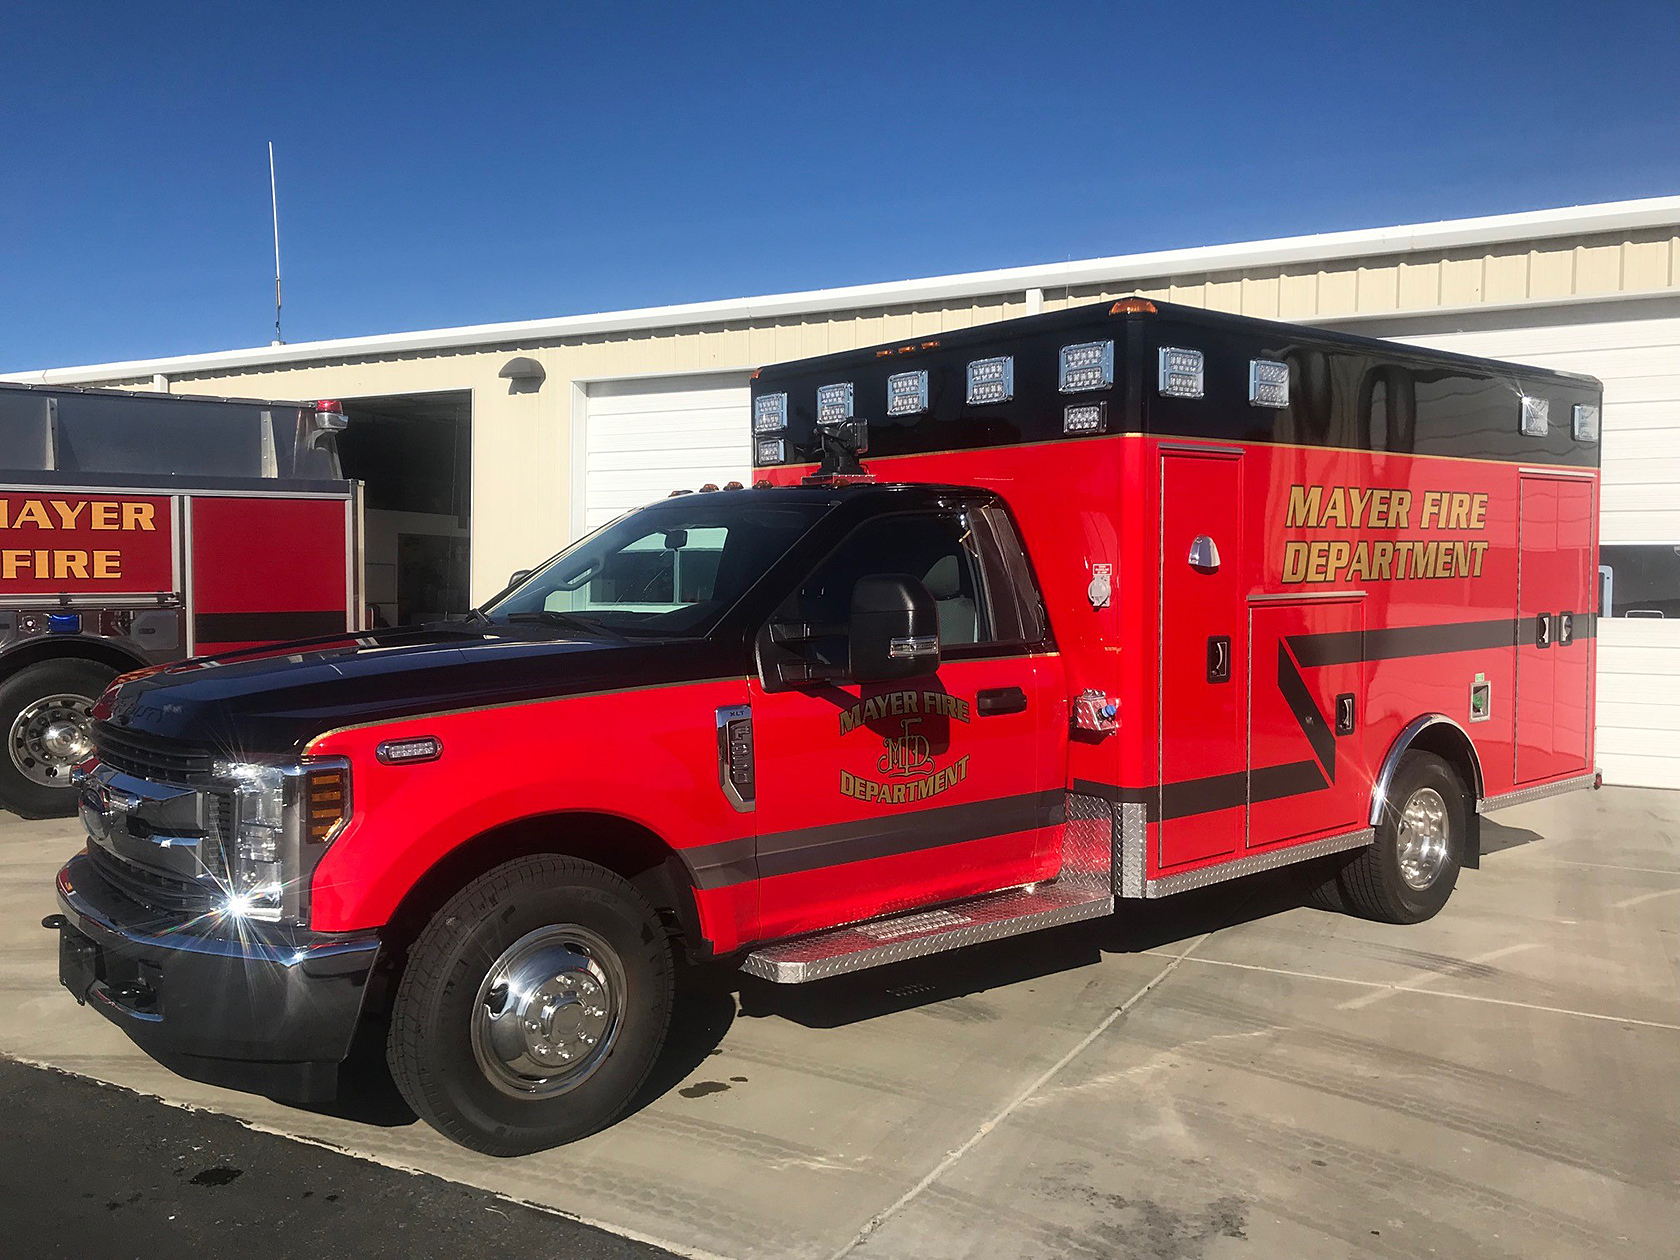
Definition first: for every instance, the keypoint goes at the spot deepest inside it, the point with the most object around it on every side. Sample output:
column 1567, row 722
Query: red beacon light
column 330, row 417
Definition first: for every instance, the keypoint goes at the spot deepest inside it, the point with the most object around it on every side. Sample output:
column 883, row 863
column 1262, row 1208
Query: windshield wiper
column 554, row 617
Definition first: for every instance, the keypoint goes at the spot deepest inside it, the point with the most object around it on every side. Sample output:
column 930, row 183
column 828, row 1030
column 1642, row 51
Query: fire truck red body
column 139, row 529
column 1021, row 622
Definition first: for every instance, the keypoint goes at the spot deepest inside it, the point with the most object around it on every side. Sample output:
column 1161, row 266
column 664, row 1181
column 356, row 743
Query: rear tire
column 1409, row 871
column 37, row 704
column 533, row 1006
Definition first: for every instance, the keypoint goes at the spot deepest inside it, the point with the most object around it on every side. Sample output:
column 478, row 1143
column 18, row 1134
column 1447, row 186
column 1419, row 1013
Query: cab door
column 876, row 798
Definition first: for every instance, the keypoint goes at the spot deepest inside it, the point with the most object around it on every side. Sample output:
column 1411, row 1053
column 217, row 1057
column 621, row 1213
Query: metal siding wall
column 523, row 447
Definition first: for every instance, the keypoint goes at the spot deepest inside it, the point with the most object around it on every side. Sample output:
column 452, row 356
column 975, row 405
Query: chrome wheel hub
column 548, row 1011
column 1423, row 833
column 50, row 736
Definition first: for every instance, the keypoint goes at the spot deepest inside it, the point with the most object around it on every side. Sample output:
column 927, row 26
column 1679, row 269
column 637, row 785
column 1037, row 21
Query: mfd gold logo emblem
column 907, row 762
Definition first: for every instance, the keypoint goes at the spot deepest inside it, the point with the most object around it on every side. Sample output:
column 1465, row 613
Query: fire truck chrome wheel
column 548, row 1011
column 1423, row 838
column 49, row 737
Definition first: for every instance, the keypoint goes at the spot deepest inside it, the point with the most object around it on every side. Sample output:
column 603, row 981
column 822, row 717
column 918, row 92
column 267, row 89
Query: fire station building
column 487, row 448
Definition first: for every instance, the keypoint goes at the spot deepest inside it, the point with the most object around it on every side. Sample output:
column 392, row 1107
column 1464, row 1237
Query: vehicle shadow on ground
column 1496, row 837
column 711, row 997
column 1135, row 927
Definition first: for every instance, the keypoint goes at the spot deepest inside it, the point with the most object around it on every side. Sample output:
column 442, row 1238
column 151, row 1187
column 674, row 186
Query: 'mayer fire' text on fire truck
column 1017, row 623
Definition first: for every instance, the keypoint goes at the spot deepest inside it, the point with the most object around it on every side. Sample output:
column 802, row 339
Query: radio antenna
column 274, row 205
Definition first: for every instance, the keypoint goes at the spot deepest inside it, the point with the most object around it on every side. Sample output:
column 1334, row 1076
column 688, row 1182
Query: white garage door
column 644, row 438
column 1639, row 642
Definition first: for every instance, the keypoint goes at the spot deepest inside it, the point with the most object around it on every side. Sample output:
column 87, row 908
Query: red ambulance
column 1017, row 623
column 140, row 528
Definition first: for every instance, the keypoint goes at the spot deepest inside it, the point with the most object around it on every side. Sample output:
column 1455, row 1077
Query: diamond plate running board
column 897, row 937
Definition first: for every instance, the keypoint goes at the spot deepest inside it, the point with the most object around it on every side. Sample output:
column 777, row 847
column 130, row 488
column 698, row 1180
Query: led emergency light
column 769, row 413
column 770, row 451
column 1180, row 373
column 1585, row 422
column 991, row 380
column 907, row 393
column 1268, row 383
column 396, row 752
column 1536, row 413
column 834, row 403
column 1085, row 418
column 1089, row 365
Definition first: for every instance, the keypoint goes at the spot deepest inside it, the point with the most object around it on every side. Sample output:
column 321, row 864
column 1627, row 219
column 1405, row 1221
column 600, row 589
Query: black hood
column 274, row 700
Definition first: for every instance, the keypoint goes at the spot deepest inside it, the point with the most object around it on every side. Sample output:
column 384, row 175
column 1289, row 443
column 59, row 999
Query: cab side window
column 968, row 558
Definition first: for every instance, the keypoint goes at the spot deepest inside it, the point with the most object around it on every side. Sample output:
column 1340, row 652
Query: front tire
column 533, row 1006
column 44, row 716
column 1410, row 869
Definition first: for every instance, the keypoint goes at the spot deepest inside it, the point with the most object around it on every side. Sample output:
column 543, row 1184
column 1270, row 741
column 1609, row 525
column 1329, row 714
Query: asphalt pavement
column 94, row 1171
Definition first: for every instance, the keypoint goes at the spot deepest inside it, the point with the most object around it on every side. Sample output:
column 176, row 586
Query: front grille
column 150, row 888
column 150, row 757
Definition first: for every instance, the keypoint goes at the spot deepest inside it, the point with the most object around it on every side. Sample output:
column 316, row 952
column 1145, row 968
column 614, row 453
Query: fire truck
column 1016, row 625
column 140, row 528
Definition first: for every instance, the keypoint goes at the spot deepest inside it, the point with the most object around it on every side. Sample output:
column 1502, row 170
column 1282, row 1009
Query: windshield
column 670, row 569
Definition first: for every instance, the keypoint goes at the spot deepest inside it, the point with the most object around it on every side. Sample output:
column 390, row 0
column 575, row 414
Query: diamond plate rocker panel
column 1082, row 890
column 1523, row 795
column 922, row 932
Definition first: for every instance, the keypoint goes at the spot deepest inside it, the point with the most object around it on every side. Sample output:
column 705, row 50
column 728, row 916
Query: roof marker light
column 1132, row 306
column 1180, row 373
column 1088, row 365
column 769, row 413
column 907, row 393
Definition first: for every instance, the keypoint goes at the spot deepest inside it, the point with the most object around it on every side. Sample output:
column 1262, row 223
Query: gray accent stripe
column 803, row 849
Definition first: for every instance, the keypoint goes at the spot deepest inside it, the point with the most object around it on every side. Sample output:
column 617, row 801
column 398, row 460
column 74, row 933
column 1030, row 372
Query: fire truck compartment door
column 1306, row 775
column 1555, row 572
column 263, row 569
column 1204, row 658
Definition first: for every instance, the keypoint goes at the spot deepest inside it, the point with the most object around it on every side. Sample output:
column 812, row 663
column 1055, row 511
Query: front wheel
column 533, row 1006
column 1409, row 870
column 45, row 713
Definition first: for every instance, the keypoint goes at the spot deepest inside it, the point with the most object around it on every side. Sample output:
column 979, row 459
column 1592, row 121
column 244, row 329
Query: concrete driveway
column 1222, row 1074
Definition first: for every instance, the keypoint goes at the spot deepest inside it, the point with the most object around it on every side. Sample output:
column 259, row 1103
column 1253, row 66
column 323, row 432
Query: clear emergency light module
column 1268, row 383
column 1089, row 365
column 1180, row 372
column 834, row 403
column 770, row 413
column 907, row 393
column 991, row 380
column 1536, row 416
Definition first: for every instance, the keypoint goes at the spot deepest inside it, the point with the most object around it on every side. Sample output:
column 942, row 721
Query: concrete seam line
column 257, row 1126
column 1434, row 993
column 1044, row 1078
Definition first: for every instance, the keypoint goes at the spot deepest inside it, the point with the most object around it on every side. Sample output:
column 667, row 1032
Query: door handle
column 1543, row 630
column 1566, row 629
column 1346, row 713
column 995, row 700
column 1219, row 658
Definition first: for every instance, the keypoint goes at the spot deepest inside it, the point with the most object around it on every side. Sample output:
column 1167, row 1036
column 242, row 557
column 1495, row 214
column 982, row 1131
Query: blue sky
column 467, row 163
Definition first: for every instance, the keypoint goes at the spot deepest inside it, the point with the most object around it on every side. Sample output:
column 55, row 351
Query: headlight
column 284, row 818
